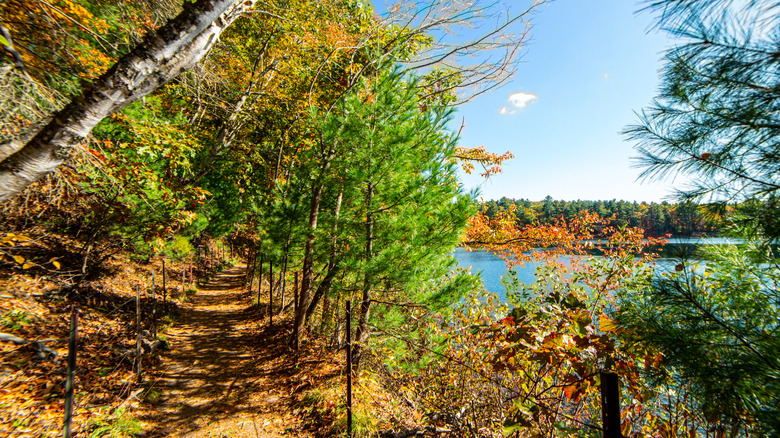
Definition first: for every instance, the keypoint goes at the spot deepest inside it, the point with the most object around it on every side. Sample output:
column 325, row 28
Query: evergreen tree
column 717, row 118
column 389, row 156
column 717, row 121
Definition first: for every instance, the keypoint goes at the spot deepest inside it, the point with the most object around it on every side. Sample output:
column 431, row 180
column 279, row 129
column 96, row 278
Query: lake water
column 491, row 268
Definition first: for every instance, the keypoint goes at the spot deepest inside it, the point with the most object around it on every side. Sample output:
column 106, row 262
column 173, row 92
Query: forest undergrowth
column 225, row 370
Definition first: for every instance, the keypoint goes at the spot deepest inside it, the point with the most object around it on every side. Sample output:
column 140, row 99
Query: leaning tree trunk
column 307, row 280
column 163, row 55
column 333, row 263
column 362, row 331
column 304, row 297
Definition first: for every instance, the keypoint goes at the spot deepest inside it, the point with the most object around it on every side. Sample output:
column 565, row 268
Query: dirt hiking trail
column 228, row 373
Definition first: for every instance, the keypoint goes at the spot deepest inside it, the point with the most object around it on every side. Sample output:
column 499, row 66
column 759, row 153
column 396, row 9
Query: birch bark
column 164, row 54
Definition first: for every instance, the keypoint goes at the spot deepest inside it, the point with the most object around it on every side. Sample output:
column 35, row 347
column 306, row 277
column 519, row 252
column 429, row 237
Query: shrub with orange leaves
column 530, row 366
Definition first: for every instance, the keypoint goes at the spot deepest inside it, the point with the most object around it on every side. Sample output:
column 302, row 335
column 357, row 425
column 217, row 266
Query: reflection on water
column 491, row 268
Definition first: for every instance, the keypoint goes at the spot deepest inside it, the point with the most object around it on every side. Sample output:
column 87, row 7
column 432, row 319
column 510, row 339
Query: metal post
column 270, row 293
column 165, row 291
column 610, row 405
column 154, row 307
column 139, row 377
column 71, row 370
column 349, row 369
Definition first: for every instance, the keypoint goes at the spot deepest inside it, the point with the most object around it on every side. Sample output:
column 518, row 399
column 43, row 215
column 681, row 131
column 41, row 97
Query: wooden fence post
column 349, row 369
column 139, row 377
column 71, row 370
column 610, row 405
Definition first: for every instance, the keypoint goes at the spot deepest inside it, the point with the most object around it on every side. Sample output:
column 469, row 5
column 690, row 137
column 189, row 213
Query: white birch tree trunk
column 163, row 55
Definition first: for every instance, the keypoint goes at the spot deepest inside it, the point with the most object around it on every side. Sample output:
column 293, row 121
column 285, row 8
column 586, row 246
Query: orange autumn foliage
column 490, row 162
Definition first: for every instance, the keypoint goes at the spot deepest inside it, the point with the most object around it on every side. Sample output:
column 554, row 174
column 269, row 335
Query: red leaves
column 572, row 392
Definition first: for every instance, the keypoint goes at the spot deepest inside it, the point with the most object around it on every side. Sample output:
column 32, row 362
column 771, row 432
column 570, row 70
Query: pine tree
column 717, row 118
column 389, row 156
column 717, row 121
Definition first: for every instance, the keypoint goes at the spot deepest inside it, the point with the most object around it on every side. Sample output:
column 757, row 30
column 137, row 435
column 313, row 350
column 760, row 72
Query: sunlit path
column 227, row 373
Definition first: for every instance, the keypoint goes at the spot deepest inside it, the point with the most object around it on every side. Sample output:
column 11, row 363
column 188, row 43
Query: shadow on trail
column 225, row 361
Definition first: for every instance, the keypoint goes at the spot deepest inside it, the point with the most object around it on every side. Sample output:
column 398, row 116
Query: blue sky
column 589, row 65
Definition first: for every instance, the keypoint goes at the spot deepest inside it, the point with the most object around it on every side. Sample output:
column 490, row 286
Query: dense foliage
column 716, row 121
column 314, row 139
column 656, row 219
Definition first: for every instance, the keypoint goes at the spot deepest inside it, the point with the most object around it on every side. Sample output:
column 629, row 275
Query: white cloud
column 518, row 101
column 605, row 75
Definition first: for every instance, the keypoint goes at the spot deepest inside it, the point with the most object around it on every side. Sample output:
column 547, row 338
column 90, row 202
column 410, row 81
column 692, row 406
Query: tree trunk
column 252, row 271
column 270, row 293
column 295, row 289
column 283, row 280
column 246, row 273
column 362, row 331
column 304, row 298
column 163, row 55
column 325, row 319
column 308, row 268
column 324, row 288
column 260, row 280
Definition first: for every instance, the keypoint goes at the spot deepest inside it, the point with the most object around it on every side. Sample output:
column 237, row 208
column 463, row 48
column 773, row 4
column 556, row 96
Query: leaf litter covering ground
column 228, row 372
column 231, row 374
column 35, row 305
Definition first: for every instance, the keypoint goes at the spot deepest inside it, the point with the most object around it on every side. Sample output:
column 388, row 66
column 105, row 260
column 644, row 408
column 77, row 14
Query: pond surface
column 491, row 268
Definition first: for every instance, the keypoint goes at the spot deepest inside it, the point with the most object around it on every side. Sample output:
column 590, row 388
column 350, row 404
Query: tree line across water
column 312, row 136
column 656, row 219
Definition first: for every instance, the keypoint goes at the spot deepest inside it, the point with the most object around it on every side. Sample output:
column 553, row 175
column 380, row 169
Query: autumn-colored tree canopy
column 317, row 142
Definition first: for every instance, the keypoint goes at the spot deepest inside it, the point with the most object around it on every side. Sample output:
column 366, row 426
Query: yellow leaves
column 26, row 264
column 187, row 217
column 625, row 427
column 606, row 324
column 490, row 162
column 11, row 239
